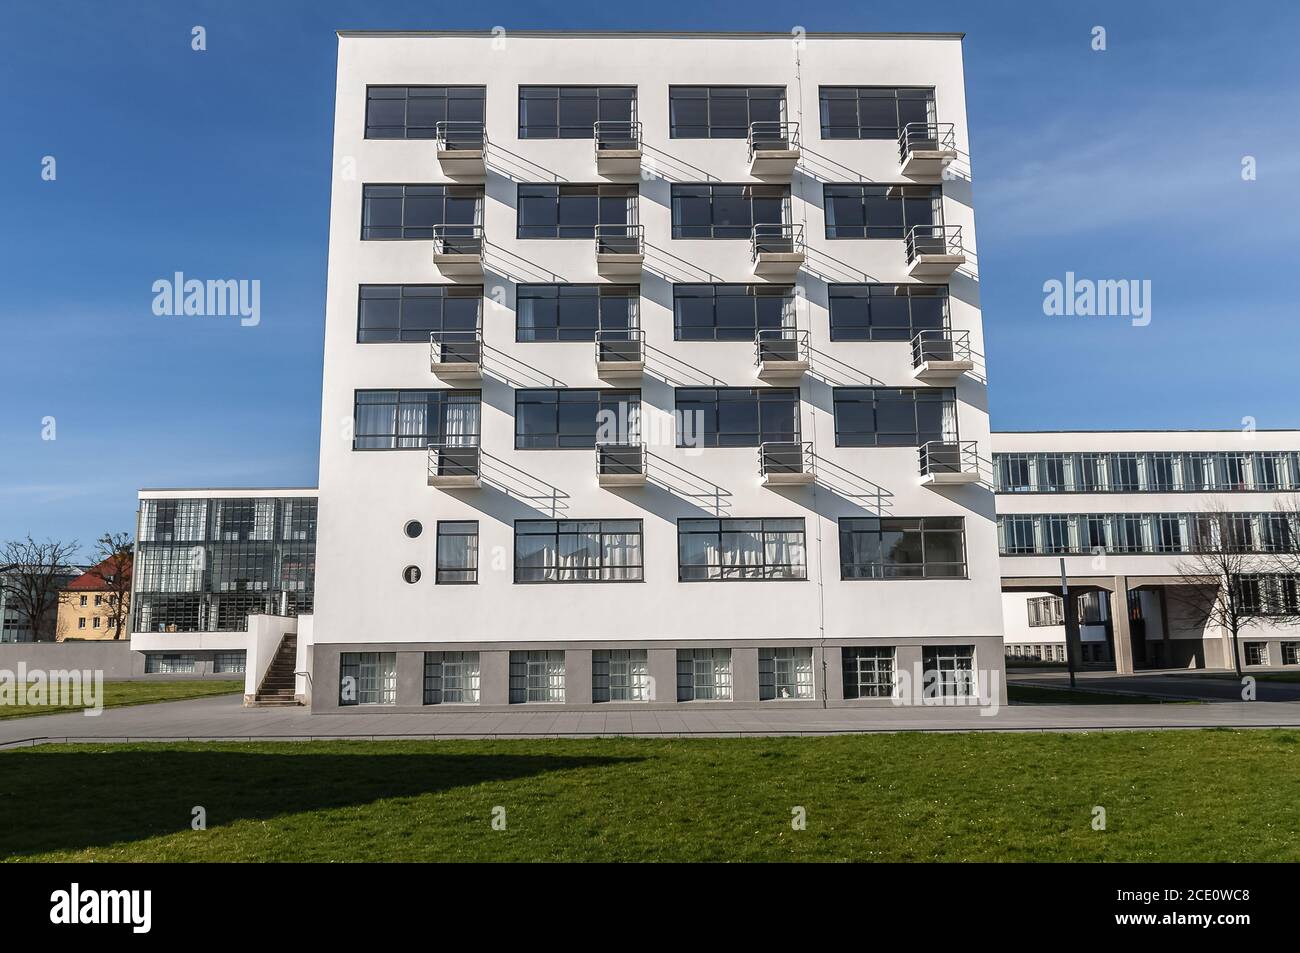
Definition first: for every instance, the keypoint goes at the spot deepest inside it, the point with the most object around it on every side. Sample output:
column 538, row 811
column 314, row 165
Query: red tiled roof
column 89, row 580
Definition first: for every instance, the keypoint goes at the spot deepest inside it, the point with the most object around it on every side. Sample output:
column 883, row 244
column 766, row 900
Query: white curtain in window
column 412, row 424
column 148, row 520
column 376, row 419
column 622, row 552
column 949, row 420
column 191, row 520
column 460, row 421
column 264, row 520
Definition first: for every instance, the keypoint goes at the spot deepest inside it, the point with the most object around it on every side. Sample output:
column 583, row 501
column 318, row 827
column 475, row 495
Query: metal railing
column 786, row 456
column 620, row 459
column 457, row 347
column 458, row 240
column 933, row 240
column 451, row 459
column 777, row 238
column 781, row 344
column 460, row 135
column 926, row 137
column 620, row 239
column 948, row 456
column 617, row 134
column 940, row 344
column 773, row 136
column 625, row 345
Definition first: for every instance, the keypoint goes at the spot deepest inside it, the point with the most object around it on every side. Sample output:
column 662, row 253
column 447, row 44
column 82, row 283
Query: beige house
column 88, row 606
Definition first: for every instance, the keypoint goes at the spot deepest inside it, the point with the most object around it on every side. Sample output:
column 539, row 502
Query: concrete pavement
column 224, row 718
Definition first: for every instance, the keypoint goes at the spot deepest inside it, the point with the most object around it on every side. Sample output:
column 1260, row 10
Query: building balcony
column 462, row 148
column 454, row 466
column 621, row 464
column 787, row 463
column 948, row 462
column 941, row 356
column 926, row 148
column 777, row 250
column 934, row 251
column 773, row 149
column 618, row 147
column 620, row 251
column 458, row 250
column 620, row 353
column 457, row 355
column 781, row 354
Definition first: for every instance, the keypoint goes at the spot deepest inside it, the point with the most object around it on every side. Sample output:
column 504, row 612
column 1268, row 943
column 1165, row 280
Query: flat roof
column 659, row 34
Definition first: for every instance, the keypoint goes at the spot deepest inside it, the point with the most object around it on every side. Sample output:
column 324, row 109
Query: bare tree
column 31, row 575
column 1222, row 580
column 1284, row 556
column 113, row 555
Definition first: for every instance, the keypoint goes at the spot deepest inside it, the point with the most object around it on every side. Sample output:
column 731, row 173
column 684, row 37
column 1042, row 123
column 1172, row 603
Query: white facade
column 367, row 497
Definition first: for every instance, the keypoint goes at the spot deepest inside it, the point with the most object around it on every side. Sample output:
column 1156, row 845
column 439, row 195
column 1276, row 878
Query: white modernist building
column 1129, row 512
column 648, row 373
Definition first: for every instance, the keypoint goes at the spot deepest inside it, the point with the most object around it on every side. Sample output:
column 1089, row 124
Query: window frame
column 600, row 568
column 748, row 193
column 885, row 133
column 473, row 549
column 709, row 437
column 846, row 531
column 587, row 131
column 865, row 190
column 600, row 191
column 447, row 291
column 446, row 191
column 607, row 399
column 945, row 397
column 630, row 293
column 447, row 99
column 728, row 526
column 711, row 92
column 444, row 396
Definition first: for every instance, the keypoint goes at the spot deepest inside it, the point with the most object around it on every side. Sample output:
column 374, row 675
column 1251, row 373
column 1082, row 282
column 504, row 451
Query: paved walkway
column 1223, row 686
column 224, row 718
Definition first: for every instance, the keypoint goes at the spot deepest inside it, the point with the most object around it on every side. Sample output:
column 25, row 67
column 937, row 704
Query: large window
column 413, row 112
column 727, row 211
column 868, row 672
column 1151, row 472
column 620, row 675
column 575, row 312
column 894, row 417
column 703, row 675
column 872, row 112
column 785, row 673
column 576, row 419
column 368, row 678
column 451, row 678
column 229, row 662
column 730, row 312
column 536, row 677
column 169, row 663
column 411, row 211
column 886, row 312
column 571, row 112
column 736, row 416
column 418, row 313
column 1045, row 611
column 414, row 419
column 457, row 556
column 578, row 551
column 574, row 211
column 951, row 669
column 1052, row 533
column 722, row 112
column 880, row 211
column 900, row 547
column 720, row 549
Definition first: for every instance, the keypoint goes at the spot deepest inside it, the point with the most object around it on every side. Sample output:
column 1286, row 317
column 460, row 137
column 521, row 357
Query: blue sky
column 1117, row 164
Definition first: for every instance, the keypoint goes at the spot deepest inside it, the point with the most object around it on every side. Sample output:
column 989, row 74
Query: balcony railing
column 949, row 461
column 620, row 250
column 930, row 139
column 617, row 135
column 620, row 351
column 941, row 354
column 462, row 147
column 773, row 146
column 454, row 464
column 455, row 354
column 934, row 250
column 786, row 462
column 781, row 352
column 620, row 464
column 453, row 135
column 458, row 249
column 777, row 248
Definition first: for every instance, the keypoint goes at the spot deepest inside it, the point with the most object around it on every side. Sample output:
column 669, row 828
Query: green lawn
column 1174, row 795
column 117, row 694
column 1037, row 695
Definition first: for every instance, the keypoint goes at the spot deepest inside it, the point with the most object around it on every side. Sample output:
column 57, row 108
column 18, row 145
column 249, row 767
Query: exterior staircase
column 277, row 688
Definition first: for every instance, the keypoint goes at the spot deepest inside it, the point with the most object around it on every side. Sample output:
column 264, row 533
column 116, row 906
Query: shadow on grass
column 69, row 800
